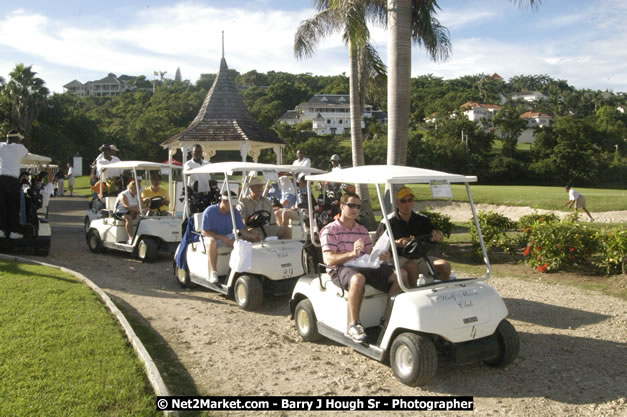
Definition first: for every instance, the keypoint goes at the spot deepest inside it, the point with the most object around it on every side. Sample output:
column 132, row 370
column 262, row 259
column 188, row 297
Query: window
column 340, row 121
column 329, row 121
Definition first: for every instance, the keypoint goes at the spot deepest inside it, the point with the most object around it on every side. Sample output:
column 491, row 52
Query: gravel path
column 571, row 363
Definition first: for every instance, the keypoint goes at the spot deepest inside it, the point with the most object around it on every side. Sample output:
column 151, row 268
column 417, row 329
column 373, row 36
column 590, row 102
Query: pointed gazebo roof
column 224, row 123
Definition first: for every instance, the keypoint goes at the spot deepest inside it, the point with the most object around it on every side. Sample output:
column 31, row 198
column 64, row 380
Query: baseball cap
column 257, row 181
column 335, row 157
column 404, row 192
column 14, row 134
column 225, row 195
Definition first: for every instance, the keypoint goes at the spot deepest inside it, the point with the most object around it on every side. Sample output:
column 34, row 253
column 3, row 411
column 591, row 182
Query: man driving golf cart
column 150, row 196
column 255, row 202
column 406, row 225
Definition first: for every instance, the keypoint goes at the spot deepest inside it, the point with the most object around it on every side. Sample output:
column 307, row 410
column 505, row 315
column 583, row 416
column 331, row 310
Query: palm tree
column 27, row 95
column 408, row 20
column 349, row 18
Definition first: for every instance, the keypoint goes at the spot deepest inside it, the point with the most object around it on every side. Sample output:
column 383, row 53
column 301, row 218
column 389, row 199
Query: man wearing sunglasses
column 405, row 223
column 344, row 240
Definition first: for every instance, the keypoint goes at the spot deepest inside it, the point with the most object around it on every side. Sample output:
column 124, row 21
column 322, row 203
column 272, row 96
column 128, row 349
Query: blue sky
column 583, row 42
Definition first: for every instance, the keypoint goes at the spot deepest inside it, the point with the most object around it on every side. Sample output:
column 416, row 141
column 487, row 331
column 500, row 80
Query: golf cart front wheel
column 87, row 222
column 509, row 345
column 305, row 320
column 413, row 358
column 93, row 241
column 147, row 249
column 248, row 292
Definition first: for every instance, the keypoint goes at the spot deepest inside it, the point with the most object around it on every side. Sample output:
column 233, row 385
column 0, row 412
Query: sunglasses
column 353, row 205
column 406, row 200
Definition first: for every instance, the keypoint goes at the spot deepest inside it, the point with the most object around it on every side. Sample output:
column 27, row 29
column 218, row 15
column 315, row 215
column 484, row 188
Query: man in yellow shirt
column 155, row 191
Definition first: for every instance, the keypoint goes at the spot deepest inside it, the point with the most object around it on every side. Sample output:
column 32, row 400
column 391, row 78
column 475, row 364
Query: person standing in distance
column 301, row 161
column 11, row 154
column 202, row 180
column 335, row 162
column 578, row 200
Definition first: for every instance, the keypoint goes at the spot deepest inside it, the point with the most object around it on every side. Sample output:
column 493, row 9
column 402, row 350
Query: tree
column 177, row 75
column 349, row 18
column 510, row 126
column 408, row 20
column 27, row 95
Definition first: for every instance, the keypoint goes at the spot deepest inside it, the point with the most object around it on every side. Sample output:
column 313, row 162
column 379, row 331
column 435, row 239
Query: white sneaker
column 14, row 235
column 2, row 234
column 213, row 277
column 129, row 242
column 357, row 333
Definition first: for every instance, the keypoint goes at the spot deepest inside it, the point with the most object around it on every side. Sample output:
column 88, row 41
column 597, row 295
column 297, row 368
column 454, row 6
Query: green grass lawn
column 541, row 197
column 62, row 352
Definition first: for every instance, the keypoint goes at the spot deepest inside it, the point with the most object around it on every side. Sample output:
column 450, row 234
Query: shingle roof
column 533, row 115
column 290, row 115
column 223, row 117
column 330, row 99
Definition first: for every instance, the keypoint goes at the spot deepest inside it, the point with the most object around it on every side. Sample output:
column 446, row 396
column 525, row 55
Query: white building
column 106, row 87
column 534, row 119
column 329, row 114
column 528, row 96
column 480, row 113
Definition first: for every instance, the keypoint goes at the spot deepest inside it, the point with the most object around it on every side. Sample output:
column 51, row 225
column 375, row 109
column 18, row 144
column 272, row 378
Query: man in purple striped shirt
column 344, row 240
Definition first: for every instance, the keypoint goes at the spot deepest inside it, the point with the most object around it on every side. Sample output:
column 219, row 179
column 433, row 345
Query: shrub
column 494, row 228
column 526, row 223
column 555, row 245
column 613, row 246
column 442, row 222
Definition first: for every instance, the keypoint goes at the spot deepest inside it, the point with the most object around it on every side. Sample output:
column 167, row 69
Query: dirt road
column 572, row 358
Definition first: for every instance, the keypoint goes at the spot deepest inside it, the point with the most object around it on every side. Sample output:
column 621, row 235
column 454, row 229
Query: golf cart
column 154, row 231
column 249, row 269
column 463, row 320
column 36, row 229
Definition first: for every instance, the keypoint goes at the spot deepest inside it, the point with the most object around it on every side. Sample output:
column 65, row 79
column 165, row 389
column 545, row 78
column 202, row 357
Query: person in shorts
column 217, row 227
column 344, row 240
column 578, row 200
column 405, row 223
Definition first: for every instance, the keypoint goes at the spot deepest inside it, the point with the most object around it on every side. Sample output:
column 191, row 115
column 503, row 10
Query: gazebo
column 223, row 123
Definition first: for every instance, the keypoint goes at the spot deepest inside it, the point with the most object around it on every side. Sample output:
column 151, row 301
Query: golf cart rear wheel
column 509, row 345
column 183, row 278
column 413, row 358
column 87, row 222
column 93, row 241
column 248, row 292
column 147, row 249
column 306, row 322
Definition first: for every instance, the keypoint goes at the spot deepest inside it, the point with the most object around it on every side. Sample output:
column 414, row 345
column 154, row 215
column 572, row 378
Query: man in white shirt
column 106, row 159
column 195, row 162
column 335, row 162
column 301, row 161
column 11, row 154
column 578, row 200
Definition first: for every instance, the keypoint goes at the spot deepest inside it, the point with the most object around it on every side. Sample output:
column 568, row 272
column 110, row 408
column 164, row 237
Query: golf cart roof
column 293, row 169
column 138, row 165
column 34, row 159
column 230, row 167
column 390, row 174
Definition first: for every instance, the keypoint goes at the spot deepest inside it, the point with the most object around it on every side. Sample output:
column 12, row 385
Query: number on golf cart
column 288, row 272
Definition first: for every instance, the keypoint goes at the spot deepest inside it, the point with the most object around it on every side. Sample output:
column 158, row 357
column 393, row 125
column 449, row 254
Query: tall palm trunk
column 357, row 141
column 399, row 75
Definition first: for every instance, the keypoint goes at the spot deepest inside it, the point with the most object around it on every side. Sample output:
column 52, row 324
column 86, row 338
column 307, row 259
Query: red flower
column 572, row 249
column 527, row 249
column 541, row 219
column 543, row 268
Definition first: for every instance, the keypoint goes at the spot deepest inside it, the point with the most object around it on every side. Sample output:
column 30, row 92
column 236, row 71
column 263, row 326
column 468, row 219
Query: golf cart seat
column 369, row 291
column 198, row 229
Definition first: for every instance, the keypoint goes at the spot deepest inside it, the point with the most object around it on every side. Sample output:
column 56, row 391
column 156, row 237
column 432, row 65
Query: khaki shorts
column 580, row 203
column 422, row 264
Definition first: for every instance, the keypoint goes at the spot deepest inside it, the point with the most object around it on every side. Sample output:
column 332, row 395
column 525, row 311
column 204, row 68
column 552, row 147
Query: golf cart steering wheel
column 258, row 218
column 156, row 202
column 417, row 247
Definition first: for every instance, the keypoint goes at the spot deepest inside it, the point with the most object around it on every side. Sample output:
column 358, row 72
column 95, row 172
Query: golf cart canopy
column 389, row 174
column 138, row 165
column 294, row 169
column 34, row 159
column 229, row 168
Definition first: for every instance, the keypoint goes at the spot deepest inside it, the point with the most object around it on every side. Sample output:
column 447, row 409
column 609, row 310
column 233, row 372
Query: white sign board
column 441, row 189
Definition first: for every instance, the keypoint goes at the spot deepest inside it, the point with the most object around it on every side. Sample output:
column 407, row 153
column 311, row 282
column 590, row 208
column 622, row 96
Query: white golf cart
column 462, row 319
column 36, row 230
column 154, row 231
column 272, row 265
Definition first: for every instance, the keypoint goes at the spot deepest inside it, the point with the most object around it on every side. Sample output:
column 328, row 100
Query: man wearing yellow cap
column 406, row 223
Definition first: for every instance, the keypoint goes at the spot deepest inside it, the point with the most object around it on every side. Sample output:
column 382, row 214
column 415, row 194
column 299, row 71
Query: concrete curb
column 152, row 371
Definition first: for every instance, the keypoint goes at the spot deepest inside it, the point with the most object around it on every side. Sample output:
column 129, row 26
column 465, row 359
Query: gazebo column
column 244, row 148
column 278, row 151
